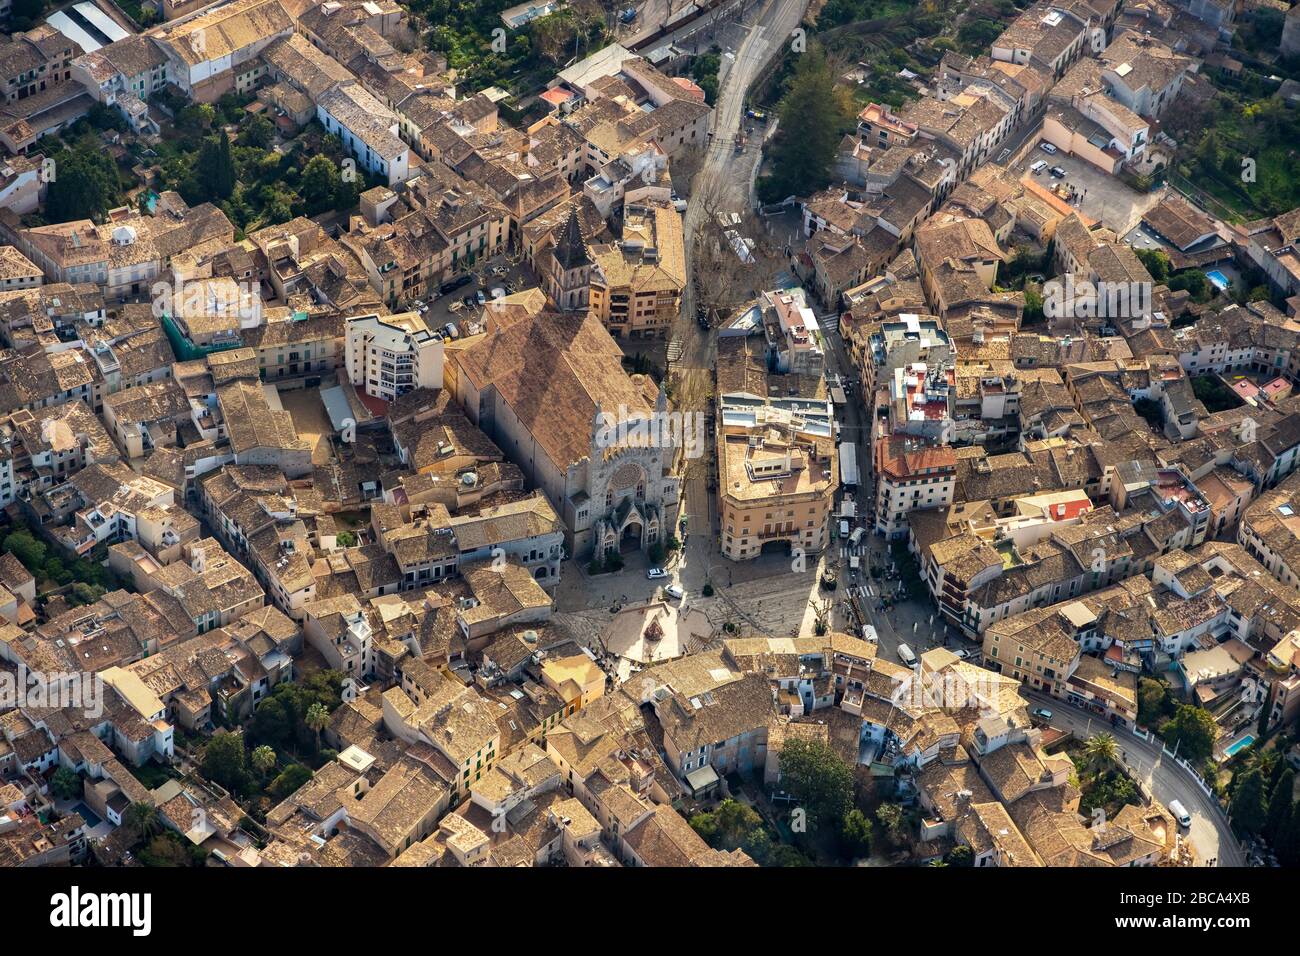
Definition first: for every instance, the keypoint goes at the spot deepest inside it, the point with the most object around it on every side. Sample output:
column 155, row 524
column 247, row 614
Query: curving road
column 1165, row 778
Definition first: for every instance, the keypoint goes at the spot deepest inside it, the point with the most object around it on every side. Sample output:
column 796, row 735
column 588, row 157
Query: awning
column 702, row 779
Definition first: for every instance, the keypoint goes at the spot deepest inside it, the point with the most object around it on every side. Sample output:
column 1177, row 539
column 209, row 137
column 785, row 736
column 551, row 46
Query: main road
column 1165, row 778
column 722, row 184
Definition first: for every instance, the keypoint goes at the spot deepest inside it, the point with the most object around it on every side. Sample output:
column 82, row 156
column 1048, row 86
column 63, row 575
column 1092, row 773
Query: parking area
column 310, row 419
column 504, row 272
column 1097, row 195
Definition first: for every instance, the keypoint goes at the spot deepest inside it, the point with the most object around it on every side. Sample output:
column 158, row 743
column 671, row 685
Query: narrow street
column 722, row 183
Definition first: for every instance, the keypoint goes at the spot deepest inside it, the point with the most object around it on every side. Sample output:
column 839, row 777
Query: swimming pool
column 92, row 820
column 1220, row 281
column 1241, row 744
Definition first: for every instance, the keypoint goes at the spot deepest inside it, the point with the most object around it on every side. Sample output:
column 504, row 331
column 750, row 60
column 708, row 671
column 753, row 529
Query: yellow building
column 636, row 285
column 778, row 484
column 577, row 679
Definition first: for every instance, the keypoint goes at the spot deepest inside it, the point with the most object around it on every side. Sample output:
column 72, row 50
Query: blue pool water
column 1220, row 281
column 92, row 820
column 1241, row 744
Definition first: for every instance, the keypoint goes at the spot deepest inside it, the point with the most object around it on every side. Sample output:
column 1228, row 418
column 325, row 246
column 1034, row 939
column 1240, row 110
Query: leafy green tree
column 143, row 820
column 86, row 184
column 1156, row 262
column 1280, row 807
column 318, row 183
column 1101, row 751
column 164, row 851
column 1288, row 846
column 814, row 115
column 86, row 593
column 289, row 780
column 345, row 539
column 225, row 762
column 66, row 784
column 785, row 855
column 818, row 780
column 855, row 834
column 1249, row 809
column 1192, row 730
column 24, row 546
column 258, row 131
column 890, row 816
column 960, row 856
column 1194, row 282
column 23, row 14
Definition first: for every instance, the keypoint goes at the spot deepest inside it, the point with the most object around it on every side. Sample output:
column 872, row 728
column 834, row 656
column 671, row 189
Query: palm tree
column 1101, row 751
column 318, row 718
column 143, row 820
column 263, row 759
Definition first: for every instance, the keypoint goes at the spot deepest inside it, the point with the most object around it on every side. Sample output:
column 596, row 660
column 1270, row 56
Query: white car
column 655, row 573
column 1038, row 167
column 675, row 592
column 1047, row 148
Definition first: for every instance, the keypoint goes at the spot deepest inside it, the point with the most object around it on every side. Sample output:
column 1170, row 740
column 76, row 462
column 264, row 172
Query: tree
column 86, row 593
column 164, row 850
column 1101, row 751
column 224, row 761
column 818, row 780
column 890, row 816
column 320, row 179
column 24, row 13
column 960, row 856
column 1153, row 700
column 856, row 833
column 317, row 718
column 1289, row 850
column 1156, row 261
column 1192, row 730
column 263, row 759
column 345, row 539
column 143, row 820
column 214, row 170
column 289, row 780
column 24, row 546
column 785, row 855
column 814, row 114
column 258, row 131
column 1280, row 807
column 66, row 784
column 1194, row 282
column 1248, row 808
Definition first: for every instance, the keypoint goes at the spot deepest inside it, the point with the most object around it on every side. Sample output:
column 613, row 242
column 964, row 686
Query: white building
column 368, row 129
column 390, row 356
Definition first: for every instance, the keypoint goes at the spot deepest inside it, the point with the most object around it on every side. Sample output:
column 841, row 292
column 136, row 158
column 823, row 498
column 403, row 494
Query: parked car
column 654, row 573
column 1042, row 713
column 453, row 284
column 1180, row 813
column 1057, row 172
column 451, row 330
column 480, row 297
column 906, row 656
column 675, row 592
column 1047, row 148
column 1038, row 167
